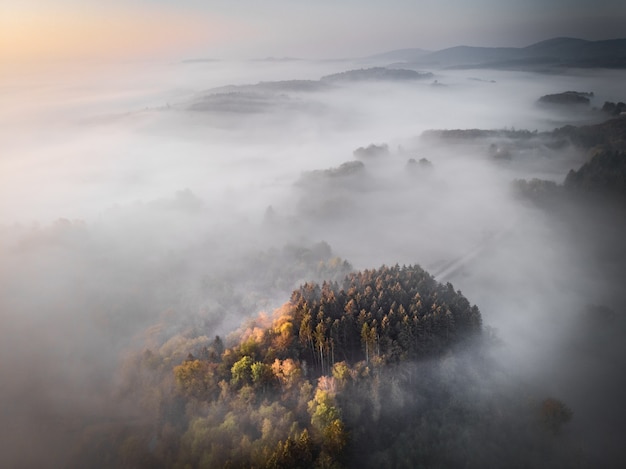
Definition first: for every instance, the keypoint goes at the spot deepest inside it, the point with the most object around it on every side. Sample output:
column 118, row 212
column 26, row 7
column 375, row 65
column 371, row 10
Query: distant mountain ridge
column 560, row 51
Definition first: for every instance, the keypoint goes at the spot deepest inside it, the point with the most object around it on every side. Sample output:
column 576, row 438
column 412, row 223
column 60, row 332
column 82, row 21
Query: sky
column 62, row 30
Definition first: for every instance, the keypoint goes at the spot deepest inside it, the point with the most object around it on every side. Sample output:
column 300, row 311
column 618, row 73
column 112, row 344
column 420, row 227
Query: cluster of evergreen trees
column 388, row 314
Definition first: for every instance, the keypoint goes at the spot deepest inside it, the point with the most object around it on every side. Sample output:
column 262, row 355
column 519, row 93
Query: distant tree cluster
column 473, row 134
column 238, row 102
column 371, row 151
column 538, row 190
column 376, row 74
column 605, row 173
column 567, row 98
column 609, row 135
column 343, row 171
column 419, row 166
column 614, row 109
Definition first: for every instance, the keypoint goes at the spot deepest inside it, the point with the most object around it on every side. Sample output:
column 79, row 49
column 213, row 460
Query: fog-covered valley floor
column 140, row 202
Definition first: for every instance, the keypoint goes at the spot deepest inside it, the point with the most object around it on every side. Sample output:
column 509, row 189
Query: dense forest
column 605, row 134
column 372, row 371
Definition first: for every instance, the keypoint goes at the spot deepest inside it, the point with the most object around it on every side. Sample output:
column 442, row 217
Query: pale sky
column 52, row 30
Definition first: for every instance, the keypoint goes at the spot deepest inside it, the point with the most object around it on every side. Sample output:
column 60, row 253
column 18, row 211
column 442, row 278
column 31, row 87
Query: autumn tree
column 242, row 371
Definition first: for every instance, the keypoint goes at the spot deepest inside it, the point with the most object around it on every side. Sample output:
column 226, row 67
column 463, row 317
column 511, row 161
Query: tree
column 293, row 453
column 554, row 414
column 262, row 375
column 217, row 348
column 241, row 371
column 306, row 332
column 368, row 339
column 288, row 372
column 320, row 341
column 196, row 378
column 341, row 372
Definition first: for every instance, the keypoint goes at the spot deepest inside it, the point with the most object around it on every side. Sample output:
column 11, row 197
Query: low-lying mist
column 123, row 207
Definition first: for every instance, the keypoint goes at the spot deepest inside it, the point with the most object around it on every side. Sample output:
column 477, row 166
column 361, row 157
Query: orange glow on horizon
column 31, row 35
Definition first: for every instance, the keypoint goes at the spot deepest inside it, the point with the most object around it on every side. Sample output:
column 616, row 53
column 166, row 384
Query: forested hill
column 359, row 373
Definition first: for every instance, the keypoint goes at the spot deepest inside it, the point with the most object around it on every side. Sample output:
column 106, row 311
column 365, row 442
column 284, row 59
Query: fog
column 102, row 137
column 122, row 207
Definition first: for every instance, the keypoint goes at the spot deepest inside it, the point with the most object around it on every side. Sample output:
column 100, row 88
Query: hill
column 567, row 98
column 399, row 55
column 366, row 372
column 376, row 74
column 556, row 52
column 287, row 94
